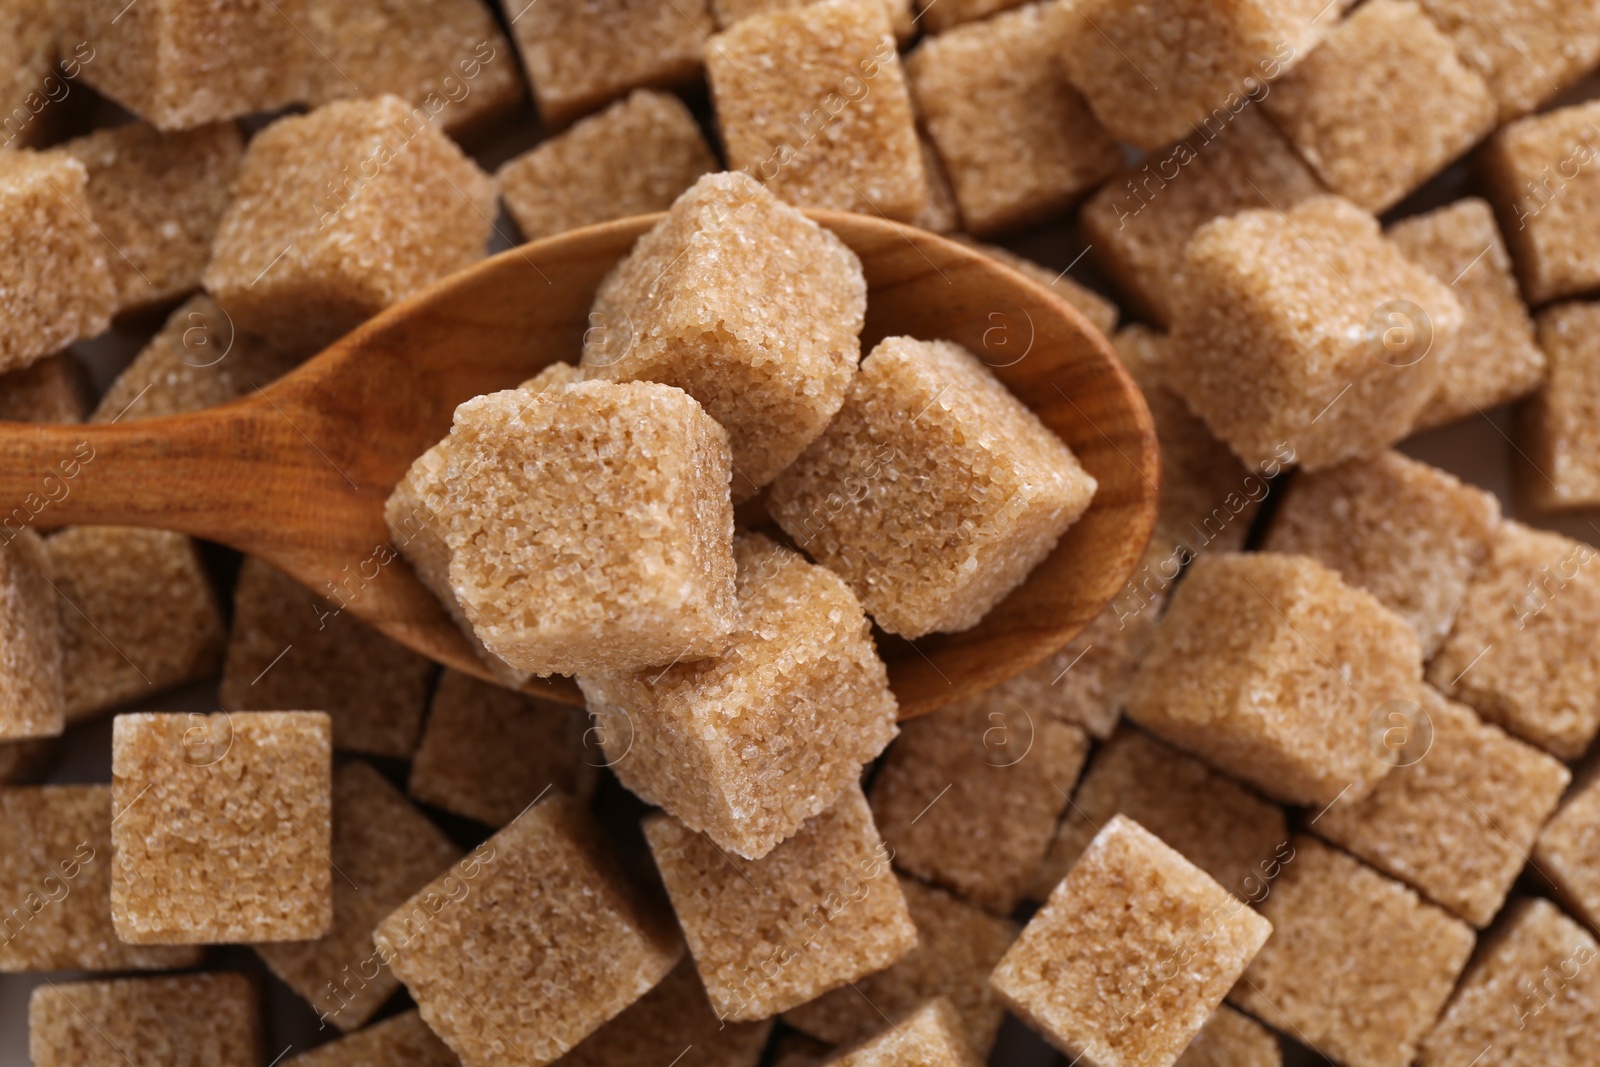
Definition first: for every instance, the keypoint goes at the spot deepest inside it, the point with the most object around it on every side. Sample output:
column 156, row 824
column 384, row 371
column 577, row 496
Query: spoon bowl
column 297, row 472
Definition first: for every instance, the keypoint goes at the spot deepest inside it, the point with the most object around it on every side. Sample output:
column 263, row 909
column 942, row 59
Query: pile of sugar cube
column 1319, row 785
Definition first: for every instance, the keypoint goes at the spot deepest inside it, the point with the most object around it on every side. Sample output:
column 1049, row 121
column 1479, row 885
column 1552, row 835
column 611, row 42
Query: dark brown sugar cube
column 1365, row 991
column 220, row 827
column 1382, row 105
column 676, row 1019
column 1568, row 851
column 1130, row 955
column 813, row 102
column 1409, row 534
column 929, row 1036
column 748, row 744
column 957, row 946
column 1307, row 330
column 1232, row 1039
column 290, row 648
column 1556, row 426
column 55, row 870
column 590, row 527
column 1495, row 358
column 1212, row 821
column 1456, row 818
column 1527, row 50
column 384, row 849
column 143, row 1022
column 399, row 1041
column 341, row 212
column 32, row 690
column 960, row 490
column 633, row 158
column 968, row 796
column 1100, row 312
column 1153, row 73
column 1016, row 139
column 746, row 305
column 542, row 898
column 1268, row 667
column 1522, row 653
column 55, row 389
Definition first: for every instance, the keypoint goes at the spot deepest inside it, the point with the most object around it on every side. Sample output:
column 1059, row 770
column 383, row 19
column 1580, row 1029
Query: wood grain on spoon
column 297, row 473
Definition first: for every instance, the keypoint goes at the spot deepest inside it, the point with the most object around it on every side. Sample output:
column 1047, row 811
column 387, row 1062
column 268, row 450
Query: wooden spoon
column 297, row 473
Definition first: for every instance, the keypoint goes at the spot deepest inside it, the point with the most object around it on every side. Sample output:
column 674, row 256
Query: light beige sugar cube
column 1212, row 821
column 1365, row 991
column 929, row 1036
column 1307, row 329
column 55, row 870
column 957, row 946
column 820, row 910
column 1522, row 653
column 1555, row 426
column 544, row 898
column 220, row 827
column 32, row 688
column 1409, row 534
column 1100, row 312
column 1339, row 106
column 1527, row 50
column 341, row 212
column 400, row 1041
column 959, row 489
column 137, row 615
column 1017, row 140
column 812, row 102
column 969, row 796
column 138, row 1022
column 55, row 389
column 1494, row 359
column 53, row 272
column 590, row 527
column 747, row 745
column 30, row 85
column 1568, row 851
column 384, row 850
column 940, row 214
column 582, row 54
column 746, row 305
column 1232, row 1039
column 675, row 1015
column 290, row 648
column 633, row 158
column 1130, row 955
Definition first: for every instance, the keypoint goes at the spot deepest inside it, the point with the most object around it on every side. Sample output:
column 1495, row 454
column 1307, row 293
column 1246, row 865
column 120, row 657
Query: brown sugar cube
column 401, row 1041
column 1409, row 534
column 1212, row 821
column 1522, row 653
column 1555, row 426
column 940, row 213
column 487, row 752
column 1154, row 72
column 1532, row 996
column 1138, row 223
column 1568, row 851
column 1232, row 1039
column 184, row 63
column 583, row 54
column 1129, row 956
column 1364, row 992
column 1527, row 50
column 1307, row 330
column 1268, row 667
column 52, row 262
column 1546, row 191
column 220, row 827
column 930, row 1036
column 290, row 648
column 813, row 102
column 819, row 911
column 633, row 158
column 30, row 85
column 384, row 850
column 728, row 12
column 1015, row 137
column 1100, row 312
column 1457, row 819
column 142, row 1022
column 969, row 796
column 1495, row 359
column 55, row 874
column 590, row 526
column 957, row 946
column 676, row 1019
column 55, row 389
column 543, row 898
column 32, row 689
column 157, row 198
column 746, row 305
column 338, row 214
column 1382, row 105
column 137, row 615
column 937, row 16
column 960, row 490
column 749, row 744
